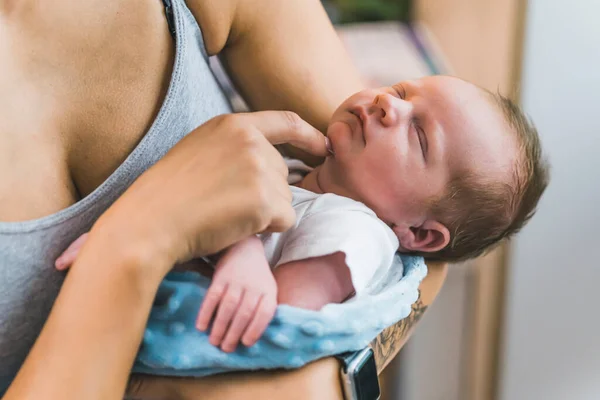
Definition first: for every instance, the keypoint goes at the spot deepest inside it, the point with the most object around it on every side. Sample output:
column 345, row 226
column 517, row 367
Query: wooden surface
column 478, row 37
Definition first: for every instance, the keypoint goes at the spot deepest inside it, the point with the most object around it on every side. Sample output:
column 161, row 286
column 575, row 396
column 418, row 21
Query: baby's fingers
column 67, row 258
column 262, row 317
column 227, row 307
column 209, row 305
column 242, row 318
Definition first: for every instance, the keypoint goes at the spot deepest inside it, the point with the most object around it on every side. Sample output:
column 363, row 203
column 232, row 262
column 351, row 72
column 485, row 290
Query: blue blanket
column 173, row 346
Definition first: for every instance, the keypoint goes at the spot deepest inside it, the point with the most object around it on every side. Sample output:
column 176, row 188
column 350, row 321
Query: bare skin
column 73, row 106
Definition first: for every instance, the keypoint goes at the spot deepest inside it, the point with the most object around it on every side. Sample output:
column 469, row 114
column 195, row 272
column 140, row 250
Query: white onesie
column 328, row 223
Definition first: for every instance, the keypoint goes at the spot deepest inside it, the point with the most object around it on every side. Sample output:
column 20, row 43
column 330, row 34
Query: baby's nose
column 391, row 109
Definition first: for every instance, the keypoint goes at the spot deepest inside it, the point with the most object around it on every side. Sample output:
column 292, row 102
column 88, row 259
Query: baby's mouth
column 361, row 123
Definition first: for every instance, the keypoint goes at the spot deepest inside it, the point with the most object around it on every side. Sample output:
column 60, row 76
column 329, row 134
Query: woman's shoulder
column 223, row 22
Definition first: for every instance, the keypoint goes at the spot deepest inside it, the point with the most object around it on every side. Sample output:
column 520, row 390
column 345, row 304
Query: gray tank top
column 29, row 283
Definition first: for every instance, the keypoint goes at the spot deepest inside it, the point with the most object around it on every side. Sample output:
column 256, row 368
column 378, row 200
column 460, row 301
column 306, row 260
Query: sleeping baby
column 436, row 167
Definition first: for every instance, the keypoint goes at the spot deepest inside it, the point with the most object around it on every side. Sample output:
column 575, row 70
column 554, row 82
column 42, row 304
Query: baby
column 436, row 166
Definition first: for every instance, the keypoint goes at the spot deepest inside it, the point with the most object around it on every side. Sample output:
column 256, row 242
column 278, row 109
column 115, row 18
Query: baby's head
column 451, row 167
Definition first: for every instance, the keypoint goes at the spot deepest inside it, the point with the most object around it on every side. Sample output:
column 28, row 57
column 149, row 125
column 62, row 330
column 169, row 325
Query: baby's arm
column 242, row 296
column 311, row 283
column 244, row 292
column 338, row 247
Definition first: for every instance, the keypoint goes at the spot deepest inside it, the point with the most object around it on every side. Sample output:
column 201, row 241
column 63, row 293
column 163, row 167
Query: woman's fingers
column 227, row 307
column 242, row 318
column 265, row 312
column 283, row 215
column 280, row 127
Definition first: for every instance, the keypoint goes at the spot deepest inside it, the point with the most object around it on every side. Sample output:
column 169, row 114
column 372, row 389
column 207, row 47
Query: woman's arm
column 317, row 380
column 281, row 55
column 389, row 342
column 89, row 342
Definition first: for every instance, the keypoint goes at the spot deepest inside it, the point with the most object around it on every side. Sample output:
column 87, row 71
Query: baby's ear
column 430, row 237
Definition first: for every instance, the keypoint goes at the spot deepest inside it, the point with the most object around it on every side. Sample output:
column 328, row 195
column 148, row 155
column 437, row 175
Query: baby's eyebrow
column 408, row 87
column 398, row 88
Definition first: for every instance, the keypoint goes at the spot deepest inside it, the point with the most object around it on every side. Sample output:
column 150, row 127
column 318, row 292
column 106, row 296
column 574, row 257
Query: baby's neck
column 311, row 182
column 316, row 184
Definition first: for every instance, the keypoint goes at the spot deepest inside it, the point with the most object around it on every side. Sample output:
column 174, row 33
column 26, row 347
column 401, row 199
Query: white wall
column 552, row 347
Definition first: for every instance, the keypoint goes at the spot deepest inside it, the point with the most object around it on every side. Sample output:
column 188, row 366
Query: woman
column 93, row 94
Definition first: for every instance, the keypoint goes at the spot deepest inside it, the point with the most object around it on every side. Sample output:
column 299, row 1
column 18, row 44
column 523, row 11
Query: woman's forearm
column 388, row 343
column 88, row 345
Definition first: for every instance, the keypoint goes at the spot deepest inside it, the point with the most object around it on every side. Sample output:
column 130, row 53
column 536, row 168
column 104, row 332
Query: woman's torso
column 67, row 85
column 92, row 93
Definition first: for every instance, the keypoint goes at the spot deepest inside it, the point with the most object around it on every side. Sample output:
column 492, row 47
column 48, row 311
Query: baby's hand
column 70, row 254
column 244, row 289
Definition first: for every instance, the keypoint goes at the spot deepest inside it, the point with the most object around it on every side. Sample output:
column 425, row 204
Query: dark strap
column 170, row 16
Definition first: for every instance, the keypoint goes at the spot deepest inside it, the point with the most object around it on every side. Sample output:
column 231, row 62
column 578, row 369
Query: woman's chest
column 80, row 84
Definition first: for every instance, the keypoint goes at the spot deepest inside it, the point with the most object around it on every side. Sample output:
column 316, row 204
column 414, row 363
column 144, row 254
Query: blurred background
column 521, row 323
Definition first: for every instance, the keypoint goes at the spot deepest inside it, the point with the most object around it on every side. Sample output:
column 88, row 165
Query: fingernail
column 59, row 263
column 328, row 145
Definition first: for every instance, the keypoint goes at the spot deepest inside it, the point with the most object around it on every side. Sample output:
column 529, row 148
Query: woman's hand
column 243, row 293
column 222, row 183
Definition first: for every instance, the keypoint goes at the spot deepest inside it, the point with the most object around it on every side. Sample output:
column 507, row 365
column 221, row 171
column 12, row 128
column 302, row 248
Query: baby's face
column 396, row 148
